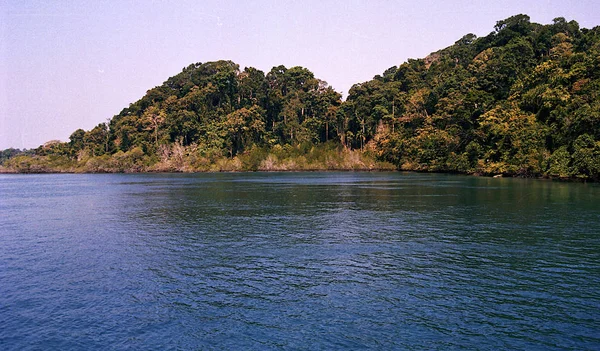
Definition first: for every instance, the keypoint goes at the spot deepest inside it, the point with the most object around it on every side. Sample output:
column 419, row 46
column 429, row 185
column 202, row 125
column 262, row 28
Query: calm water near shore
column 298, row 261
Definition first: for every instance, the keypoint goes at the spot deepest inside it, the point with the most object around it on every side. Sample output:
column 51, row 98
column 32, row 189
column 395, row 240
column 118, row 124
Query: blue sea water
column 298, row 261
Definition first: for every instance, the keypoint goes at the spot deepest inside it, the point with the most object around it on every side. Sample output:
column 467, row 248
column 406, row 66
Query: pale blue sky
column 73, row 64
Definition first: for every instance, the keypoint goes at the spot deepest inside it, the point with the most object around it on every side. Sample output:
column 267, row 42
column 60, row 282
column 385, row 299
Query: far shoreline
column 4, row 171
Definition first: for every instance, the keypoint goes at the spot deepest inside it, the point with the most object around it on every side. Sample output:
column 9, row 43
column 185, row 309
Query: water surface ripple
column 298, row 261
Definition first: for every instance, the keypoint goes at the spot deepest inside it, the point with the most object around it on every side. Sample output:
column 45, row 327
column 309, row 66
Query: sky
column 66, row 65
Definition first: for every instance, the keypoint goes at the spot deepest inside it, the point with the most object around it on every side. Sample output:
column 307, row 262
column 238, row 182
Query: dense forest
column 521, row 101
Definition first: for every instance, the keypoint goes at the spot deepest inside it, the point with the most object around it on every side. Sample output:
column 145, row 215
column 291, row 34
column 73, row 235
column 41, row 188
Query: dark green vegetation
column 522, row 101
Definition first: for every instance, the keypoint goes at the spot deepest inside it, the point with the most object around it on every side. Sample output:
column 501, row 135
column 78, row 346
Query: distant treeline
column 521, row 101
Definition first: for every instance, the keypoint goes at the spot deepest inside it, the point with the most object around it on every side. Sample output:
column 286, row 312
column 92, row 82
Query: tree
column 96, row 140
column 76, row 141
column 586, row 157
column 155, row 117
column 243, row 128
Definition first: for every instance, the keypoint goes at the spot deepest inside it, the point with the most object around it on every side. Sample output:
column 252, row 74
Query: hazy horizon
column 70, row 65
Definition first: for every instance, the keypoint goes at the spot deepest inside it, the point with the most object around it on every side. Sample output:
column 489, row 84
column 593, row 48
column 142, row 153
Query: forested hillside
column 523, row 100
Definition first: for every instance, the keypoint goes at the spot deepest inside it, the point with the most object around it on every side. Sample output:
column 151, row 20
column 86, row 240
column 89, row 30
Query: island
column 521, row 101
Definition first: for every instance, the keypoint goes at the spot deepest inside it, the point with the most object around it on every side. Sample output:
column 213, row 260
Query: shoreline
column 313, row 170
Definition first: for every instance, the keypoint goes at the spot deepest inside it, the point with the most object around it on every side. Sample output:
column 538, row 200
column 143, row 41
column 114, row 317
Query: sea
column 298, row 261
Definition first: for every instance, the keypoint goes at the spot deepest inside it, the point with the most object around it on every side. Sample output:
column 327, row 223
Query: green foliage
column 586, row 157
column 559, row 163
column 7, row 154
column 40, row 164
column 252, row 160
